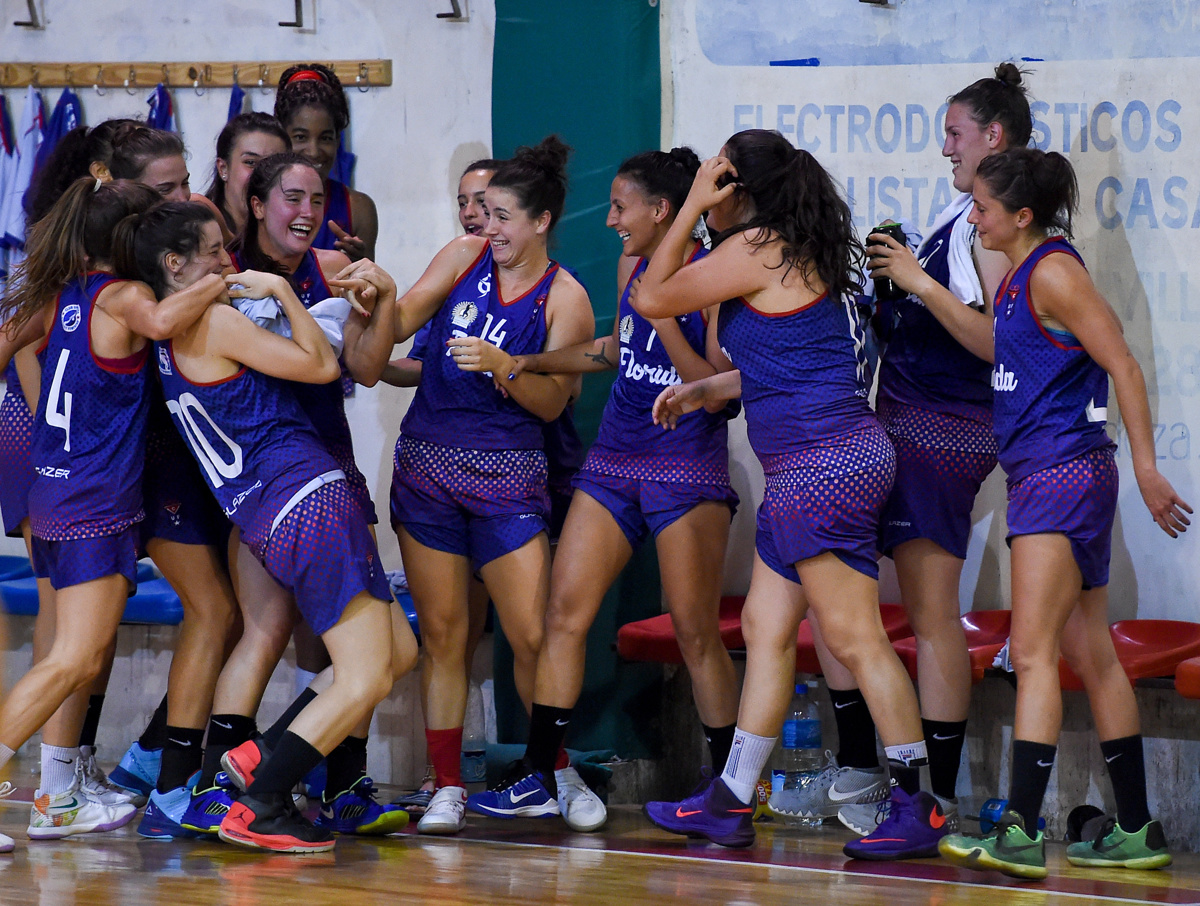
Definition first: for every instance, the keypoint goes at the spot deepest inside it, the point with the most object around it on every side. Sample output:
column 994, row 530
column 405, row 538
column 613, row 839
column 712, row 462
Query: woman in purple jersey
column 84, row 529
column 244, row 141
column 934, row 399
column 272, row 473
column 1055, row 342
column 788, row 261
column 636, row 481
column 469, row 489
column 311, row 105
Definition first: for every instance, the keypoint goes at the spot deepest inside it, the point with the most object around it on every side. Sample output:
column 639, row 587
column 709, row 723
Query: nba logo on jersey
column 627, row 328
column 484, row 285
column 464, row 314
column 1010, row 304
column 71, row 318
column 164, row 360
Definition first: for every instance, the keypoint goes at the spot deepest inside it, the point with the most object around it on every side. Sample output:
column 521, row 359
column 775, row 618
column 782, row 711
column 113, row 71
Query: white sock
column 913, row 753
column 747, row 757
column 6, row 754
column 58, row 768
column 304, row 679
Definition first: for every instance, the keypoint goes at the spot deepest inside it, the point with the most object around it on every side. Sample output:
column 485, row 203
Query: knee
column 74, row 670
column 763, row 633
column 368, row 686
column 564, row 622
column 696, row 640
column 1026, row 658
column 404, row 657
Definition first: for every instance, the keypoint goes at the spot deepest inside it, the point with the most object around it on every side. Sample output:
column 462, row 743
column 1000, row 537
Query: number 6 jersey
column 89, row 431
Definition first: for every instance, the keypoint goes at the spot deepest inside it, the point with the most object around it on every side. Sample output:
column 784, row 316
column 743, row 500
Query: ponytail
column 1028, row 178
column 1001, row 99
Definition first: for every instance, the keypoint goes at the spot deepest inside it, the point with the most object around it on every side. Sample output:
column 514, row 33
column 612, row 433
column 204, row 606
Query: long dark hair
column 1002, row 100
column 1042, row 181
column 796, row 200
column 266, row 176
column 77, row 232
column 71, row 158
column 538, row 177
column 135, row 144
column 242, row 124
column 663, row 174
column 311, row 85
column 142, row 240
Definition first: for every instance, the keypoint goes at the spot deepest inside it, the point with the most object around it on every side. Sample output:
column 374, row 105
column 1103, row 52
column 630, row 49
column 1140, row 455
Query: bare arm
column 402, row 372
column 134, row 307
column 711, row 393
column 11, row 341
column 369, row 340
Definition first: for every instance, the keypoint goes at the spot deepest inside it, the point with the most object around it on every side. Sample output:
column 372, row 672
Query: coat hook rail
column 222, row 74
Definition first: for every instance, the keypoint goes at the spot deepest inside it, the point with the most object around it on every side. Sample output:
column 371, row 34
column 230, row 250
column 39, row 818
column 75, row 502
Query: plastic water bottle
column 474, row 746
column 989, row 815
column 802, row 752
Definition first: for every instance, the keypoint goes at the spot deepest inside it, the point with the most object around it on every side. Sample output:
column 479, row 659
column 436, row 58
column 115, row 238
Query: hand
column 1164, row 504
column 365, row 280
column 355, row 290
column 354, row 247
column 253, row 285
column 707, row 189
column 519, row 364
column 477, row 354
column 888, row 258
column 676, row 401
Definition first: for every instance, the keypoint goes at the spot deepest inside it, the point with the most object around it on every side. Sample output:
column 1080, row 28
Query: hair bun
column 685, row 157
column 1009, row 74
column 550, row 155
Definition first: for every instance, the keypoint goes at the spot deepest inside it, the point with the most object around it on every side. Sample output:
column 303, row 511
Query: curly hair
column 311, row 85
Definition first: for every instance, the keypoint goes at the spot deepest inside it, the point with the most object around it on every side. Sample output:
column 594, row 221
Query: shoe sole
column 273, row 844
column 443, row 830
column 241, row 775
column 581, row 828
column 923, row 852
column 163, row 832
column 977, row 859
column 1142, row 863
column 130, row 783
column 861, row 829
column 70, row 830
column 387, row 823
column 733, row 841
column 549, row 810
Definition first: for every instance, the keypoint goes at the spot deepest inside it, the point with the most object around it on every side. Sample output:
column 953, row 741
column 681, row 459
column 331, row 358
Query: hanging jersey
column 1051, row 398
column 255, row 447
column 28, row 140
column 337, row 209
column 89, row 431
column 924, row 366
column 802, row 373
column 457, row 408
column 8, row 164
column 67, row 115
column 629, row 444
column 162, row 109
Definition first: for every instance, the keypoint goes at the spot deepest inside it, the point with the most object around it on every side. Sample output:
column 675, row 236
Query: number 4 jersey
column 90, row 428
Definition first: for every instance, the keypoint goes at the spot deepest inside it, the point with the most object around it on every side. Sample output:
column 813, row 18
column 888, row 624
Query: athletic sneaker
column 273, row 822
column 527, row 797
column 163, row 818
column 417, row 801
column 355, row 811
column 1117, row 848
column 208, row 808
column 863, row 818
column 74, row 812
column 447, row 812
column 1007, row 848
column 833, row 788
column 241, row 762
column 6, row 843
column 94, row 782
column 714, row 814
column 911, row 830
column 138, row 770
column 581, row 808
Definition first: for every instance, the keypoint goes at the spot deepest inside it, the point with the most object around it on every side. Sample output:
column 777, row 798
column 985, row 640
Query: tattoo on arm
column 600, row 358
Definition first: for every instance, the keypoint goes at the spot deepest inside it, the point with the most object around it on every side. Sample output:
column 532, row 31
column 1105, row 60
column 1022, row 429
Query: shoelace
column 6, row 789
column 365, row 787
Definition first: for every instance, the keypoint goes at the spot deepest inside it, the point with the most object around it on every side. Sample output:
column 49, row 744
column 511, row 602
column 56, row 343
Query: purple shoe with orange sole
column 714, row 814
column 912, row 829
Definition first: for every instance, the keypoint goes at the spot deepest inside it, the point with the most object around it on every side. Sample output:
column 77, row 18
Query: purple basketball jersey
column 337, row 209
column 16, row 427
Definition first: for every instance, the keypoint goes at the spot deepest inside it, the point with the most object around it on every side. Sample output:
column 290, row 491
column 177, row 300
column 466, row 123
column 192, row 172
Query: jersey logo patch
column 464, row 314
column 164, row 360
column 72, row 317
column 627, row 328
column 484, row 285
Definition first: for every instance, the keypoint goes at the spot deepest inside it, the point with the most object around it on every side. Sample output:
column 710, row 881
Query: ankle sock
column 288, row 763
column 856, row 729
column 445, row 754
column 181, row 758
column 1127, row 770
column 276, row 730
column 748, row 756
column 345, row 765
column 155, row 734
column 905, row 763
column 547, row 730
column 720, row 740
column 944, row 739
column 91, row 721
column 58, row 768
column 1031, row 766
column 225, row 732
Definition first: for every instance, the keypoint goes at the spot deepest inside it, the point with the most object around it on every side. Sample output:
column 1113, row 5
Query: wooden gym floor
column 535, row 861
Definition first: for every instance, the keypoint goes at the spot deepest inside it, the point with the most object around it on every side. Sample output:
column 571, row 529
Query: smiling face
column 168, row 176
column 248, row 149
column 636, row 218
column 313, row 135
column 967, row 143
column 471, row 212
column 292, row 213
column 997, row 227
column 210, row 257
column 510, row 230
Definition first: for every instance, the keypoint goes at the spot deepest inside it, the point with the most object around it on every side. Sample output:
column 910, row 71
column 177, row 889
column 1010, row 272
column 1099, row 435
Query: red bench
column 1146, row 649
column 653, row 639
column 986, row 632
column 895, row 624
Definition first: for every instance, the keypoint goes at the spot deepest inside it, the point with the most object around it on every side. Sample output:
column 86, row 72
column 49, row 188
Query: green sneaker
column 1116, row 848
column 1007, row 849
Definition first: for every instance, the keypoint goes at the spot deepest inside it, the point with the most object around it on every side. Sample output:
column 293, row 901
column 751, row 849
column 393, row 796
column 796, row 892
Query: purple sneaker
column 911, row 830
column 714, row 813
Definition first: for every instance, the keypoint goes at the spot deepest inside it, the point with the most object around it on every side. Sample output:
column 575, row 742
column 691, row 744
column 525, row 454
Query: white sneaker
column 95, row 783
column 6, row 844
column 74, row 812
column 447, row 812
column 580, row 807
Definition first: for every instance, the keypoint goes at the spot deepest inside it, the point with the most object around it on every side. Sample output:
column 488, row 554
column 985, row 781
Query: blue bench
column 154, row 603
column 14, row 567
column 410, row 611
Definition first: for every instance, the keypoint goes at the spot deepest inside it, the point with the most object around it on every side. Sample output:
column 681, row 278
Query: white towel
column 330, row 315
column 964, row 279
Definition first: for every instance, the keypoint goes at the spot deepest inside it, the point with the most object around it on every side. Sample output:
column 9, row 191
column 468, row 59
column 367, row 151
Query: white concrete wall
column 864, row 90
column 413, row 139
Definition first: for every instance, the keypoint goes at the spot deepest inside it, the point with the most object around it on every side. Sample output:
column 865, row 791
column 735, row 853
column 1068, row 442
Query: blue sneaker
column 714, row 814
column 138, row 770
column 164, row 812
column 911, row 830
column 355, row 811
column 524, row 798
column 207, row 808
column 314, row 782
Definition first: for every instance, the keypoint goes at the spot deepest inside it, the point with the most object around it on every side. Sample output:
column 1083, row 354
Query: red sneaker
column 241, row 763
column 273, row 823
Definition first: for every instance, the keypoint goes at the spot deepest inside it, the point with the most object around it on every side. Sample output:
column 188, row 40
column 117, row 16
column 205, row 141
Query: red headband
column 306, row 75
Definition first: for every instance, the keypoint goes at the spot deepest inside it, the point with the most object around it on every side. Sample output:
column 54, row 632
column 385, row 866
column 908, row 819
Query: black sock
column 91, row 721
column 547, row 730
column 1127, row 771
column 289, row 761
column 907, row 776
column 345, row 765
column 181, row 757
column 856, row 729
column 1031, row 766
column 225, row 732
column 944, row 740
column 154, row 737
column 720, row 741
column 277, row 729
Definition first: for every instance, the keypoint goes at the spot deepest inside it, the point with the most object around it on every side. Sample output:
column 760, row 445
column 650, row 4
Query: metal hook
column 166, row 76
column 132, row 79
column 33, row 21
column 196, row 86
column 455, row 11
column 299, row 20
column 68, row 77
column 363, row 79
column 33, row 77
column 235, row 74
column 198, row 79
column 263, row 72
column 99, row 78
